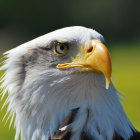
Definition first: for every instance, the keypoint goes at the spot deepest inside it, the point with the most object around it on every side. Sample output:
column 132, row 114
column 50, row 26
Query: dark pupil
column 62, row 47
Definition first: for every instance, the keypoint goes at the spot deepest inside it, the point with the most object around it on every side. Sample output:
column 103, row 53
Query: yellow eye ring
column 61, row 49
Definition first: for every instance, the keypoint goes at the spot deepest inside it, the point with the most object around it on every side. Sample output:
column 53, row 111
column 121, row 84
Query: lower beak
column 93, row 57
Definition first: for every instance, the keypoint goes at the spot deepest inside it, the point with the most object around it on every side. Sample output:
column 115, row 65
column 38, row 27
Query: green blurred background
column 117, row 20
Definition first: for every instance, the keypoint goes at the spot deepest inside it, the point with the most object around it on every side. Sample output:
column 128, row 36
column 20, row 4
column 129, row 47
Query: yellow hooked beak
column 94, row 57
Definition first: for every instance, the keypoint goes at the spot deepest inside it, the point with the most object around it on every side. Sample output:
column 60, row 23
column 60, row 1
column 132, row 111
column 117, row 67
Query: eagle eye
column 61, row 49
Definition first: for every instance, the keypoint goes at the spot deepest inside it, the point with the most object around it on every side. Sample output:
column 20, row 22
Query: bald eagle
column 59, row 87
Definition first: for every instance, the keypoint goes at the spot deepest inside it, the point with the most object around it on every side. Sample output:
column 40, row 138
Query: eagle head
column 50, row 76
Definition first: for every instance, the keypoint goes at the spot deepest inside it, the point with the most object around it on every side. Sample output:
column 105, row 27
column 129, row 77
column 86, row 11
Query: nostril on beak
column 90, row 49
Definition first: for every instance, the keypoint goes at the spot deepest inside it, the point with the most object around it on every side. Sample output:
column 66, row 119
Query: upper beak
column 93, row 57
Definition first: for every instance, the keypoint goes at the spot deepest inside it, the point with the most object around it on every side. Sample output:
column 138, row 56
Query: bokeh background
column 117, row 20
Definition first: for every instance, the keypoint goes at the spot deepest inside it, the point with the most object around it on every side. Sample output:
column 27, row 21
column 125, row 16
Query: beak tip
column 107, row 83
column 107, row 86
